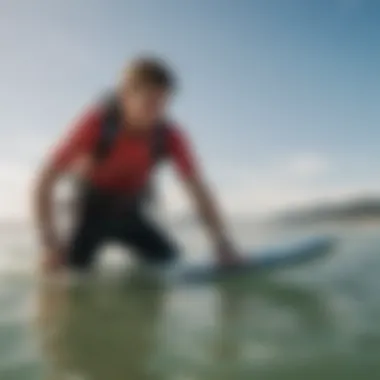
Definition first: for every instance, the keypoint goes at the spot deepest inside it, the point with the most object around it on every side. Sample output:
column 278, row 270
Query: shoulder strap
column 109, row 128
column 159, row 148
column 159, row 152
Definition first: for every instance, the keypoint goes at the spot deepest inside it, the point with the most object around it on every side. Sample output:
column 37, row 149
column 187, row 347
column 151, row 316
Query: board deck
column 277, row 257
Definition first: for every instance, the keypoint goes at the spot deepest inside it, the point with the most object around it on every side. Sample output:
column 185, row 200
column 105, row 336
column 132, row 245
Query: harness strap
column 109, row 129
column 112, row 125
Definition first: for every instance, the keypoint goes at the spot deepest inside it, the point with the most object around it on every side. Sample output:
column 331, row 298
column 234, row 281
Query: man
column 114, row 147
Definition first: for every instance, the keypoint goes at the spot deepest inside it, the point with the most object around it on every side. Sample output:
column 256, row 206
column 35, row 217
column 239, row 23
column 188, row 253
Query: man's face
column 145, row 104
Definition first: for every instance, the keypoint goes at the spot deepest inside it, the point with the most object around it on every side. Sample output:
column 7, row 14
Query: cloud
column 15, row 181
column 307, row 165
column 23, row 149
column 19, row 156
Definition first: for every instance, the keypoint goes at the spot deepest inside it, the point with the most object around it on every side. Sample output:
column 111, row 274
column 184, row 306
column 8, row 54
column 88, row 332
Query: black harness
column 111, row 126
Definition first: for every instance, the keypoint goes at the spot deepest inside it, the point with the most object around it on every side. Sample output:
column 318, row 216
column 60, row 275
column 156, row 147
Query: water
column 313, row 322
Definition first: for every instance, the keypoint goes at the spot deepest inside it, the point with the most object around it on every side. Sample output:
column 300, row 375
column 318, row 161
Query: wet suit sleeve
column 182, row 154
column 80, row 140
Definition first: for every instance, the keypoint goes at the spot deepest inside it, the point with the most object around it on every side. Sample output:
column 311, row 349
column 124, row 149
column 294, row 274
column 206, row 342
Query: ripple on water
column 19, row 355
column 311, row 321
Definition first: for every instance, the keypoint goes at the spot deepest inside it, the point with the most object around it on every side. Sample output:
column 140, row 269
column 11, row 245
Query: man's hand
column 204, row 201
column 52, row 258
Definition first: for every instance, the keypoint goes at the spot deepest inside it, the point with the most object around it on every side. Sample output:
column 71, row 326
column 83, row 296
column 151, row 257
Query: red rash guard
column 128, row 165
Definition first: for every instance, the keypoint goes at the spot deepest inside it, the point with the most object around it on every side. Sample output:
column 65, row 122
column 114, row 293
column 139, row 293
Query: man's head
column 146, row 87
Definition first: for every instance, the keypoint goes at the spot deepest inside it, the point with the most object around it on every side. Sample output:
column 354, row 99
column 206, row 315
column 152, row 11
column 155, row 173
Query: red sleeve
column 80, row 140
column 181, row 153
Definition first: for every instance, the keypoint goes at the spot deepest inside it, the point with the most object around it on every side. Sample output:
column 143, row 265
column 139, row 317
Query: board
column 266, row 258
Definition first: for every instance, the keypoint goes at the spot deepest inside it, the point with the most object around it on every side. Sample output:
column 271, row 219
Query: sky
column 280, row 98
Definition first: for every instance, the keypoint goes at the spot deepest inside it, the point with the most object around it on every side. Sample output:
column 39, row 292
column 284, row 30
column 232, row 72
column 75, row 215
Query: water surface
column 312, row 322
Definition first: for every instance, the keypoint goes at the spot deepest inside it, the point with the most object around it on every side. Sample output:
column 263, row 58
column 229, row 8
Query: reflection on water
column 318, row 321
column 95, row 333
column 216, row 332
column 221, row 332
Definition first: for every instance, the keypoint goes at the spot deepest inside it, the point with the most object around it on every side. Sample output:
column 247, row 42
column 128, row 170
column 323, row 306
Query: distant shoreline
column 363, row 210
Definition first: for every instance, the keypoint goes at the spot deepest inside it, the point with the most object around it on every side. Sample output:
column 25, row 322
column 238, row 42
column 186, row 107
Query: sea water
column 317, row 321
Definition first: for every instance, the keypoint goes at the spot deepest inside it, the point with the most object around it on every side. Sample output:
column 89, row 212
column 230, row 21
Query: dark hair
column 150, row 71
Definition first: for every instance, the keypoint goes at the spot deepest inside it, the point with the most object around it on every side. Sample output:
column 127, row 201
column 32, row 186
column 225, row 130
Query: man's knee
column 170, row 255
column 167, row 252
column 81, row 249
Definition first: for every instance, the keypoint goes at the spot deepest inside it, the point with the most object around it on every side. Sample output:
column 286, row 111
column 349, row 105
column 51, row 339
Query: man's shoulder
column 91, row 117
column 176, row 137
column 174, row 129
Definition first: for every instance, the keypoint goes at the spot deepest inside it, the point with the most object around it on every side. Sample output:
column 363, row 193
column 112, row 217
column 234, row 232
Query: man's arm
column 71, row 150
column 44, row 189
column 209, row 212
column 204, row 201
